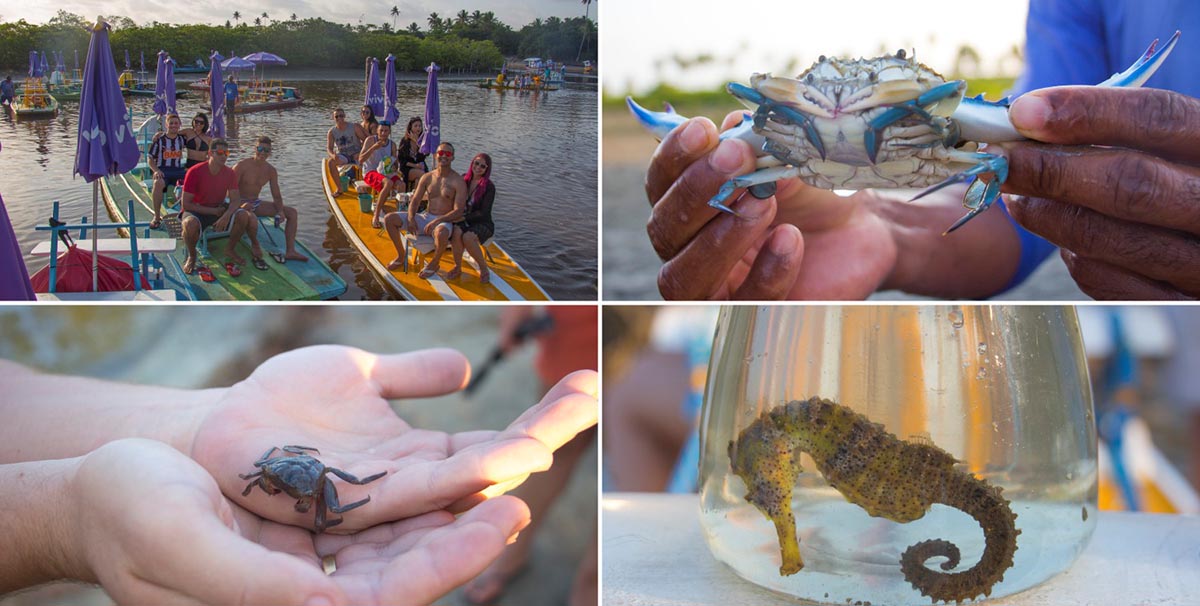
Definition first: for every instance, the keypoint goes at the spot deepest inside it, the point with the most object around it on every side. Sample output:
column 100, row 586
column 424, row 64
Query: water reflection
column 544, row 146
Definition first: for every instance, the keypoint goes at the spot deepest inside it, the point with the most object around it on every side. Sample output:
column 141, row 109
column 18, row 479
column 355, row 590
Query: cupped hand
column 802, row 243
column 1118, row 193
column 334, row 399
column 153, row 528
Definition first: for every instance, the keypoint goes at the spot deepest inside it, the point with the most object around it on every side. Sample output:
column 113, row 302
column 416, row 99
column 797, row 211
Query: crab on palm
column 888, row 122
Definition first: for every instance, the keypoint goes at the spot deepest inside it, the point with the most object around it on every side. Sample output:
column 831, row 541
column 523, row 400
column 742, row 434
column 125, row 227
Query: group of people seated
column 214, row 195
column 459, row 210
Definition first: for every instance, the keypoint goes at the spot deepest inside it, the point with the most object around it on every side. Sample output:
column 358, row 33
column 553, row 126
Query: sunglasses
column 339, row 115
column 262, row 149
column 441, row 153
column 221, row 152
column 480, row 163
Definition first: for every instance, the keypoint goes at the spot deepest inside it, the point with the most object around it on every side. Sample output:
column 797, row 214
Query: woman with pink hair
column 476, row 226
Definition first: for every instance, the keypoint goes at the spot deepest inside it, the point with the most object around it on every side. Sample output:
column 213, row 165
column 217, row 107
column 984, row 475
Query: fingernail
column 784, row 241
column 1029, row 113
column 751, row 209
column 693, row 137
column 512, row 539
column 727, row 157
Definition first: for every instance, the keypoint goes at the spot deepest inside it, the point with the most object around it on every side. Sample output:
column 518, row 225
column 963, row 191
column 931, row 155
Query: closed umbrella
column 216, row 95
column 142, row 60
column 374, row 98
column 127, row 68
column 106, row 144
column 33, row 64
column 433, row 114
column 45, row 65
column 14, row 278
column 164, row 85
column 389, row 88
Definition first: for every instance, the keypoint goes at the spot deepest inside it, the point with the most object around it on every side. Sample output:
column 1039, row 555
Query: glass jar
column 984, row 417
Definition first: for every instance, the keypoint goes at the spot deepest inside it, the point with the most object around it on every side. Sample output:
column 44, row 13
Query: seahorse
column 886, row 476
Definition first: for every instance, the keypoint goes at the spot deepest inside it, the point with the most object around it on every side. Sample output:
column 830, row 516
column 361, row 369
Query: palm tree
column 461, row 18
column 258, row 22
column 265, row 15
column 237, row 17
column 395, row 15
column 293, row 16
column 586, row 5
column 414, row 28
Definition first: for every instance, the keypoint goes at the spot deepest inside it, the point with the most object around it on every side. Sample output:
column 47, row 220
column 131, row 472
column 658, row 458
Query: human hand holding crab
column 1117, row 195
column 334, row 399
column 804, row 242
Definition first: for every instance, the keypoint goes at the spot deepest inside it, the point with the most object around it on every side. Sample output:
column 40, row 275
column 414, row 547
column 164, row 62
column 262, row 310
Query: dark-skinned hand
column 1119, row 191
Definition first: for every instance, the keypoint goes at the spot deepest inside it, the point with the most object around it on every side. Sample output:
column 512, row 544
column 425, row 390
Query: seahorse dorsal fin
column 923, row 438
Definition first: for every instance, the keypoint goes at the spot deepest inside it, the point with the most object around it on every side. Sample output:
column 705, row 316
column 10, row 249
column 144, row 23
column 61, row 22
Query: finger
column 1102, row 280
column 1119, row 183
column 1160, row 122
column 703, row 267
column 679, row 149
column 1152, row 252
column 775, row 270
column 420, row 374
column 207, row 560
column 382, row 539
column 450, row 556
column 586, row 382
column 683, row 210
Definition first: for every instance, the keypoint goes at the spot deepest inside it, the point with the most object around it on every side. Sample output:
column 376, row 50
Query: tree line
column 466, row 42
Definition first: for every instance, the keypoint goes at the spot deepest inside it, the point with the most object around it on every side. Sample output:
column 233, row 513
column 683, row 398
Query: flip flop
column 206, row 274
column 232, row 269
column 259, row 263
column 156, row 222
column 279, row 258
column 486, row 278
column 427, row 273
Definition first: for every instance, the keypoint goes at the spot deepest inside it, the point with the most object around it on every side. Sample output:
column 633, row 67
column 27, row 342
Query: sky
column 638, row 39
column 516, row 13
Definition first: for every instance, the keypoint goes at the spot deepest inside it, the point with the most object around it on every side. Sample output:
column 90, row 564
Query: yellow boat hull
column 509, row 282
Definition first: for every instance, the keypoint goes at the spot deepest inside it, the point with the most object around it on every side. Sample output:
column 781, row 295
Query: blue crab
column 888, row 122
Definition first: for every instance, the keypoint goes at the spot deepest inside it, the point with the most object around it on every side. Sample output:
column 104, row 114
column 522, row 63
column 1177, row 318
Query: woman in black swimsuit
column 476, row 227
column 410, row 156
column 196, row 140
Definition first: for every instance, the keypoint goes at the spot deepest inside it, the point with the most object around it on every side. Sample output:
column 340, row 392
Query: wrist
column 40, row 525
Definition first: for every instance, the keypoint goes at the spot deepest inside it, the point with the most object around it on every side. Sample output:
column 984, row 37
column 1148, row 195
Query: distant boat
column 195, row 68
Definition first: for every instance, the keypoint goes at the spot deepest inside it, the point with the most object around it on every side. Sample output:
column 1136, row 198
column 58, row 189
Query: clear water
column 544, row 149
column 1002, row 389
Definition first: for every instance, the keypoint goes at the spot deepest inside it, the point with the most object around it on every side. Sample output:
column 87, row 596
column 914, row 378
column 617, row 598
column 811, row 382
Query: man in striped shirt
column 167, row 159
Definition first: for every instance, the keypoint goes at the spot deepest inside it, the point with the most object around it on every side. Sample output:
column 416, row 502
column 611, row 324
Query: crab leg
column 752, row 181
column 899, row 111
column 981, row 194
column 661, row 123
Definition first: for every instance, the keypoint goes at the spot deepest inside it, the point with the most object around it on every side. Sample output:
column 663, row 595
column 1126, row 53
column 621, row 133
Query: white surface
column 119, row 295
column 654, row 553
column 114, row 246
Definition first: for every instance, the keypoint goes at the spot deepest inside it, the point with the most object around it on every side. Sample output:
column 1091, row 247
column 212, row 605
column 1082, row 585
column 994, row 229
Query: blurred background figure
column 566, row 340
column 142, row 345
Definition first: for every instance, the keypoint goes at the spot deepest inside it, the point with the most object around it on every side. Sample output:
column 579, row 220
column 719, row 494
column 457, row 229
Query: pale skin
column 414, row 170
column 97, row 505
column 198, row 129
column 253, row 174
column 173, row 124
column 238, row 223
column 447, row 194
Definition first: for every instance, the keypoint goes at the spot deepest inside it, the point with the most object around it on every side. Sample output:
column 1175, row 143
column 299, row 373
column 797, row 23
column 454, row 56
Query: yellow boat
column 35, row 101
column 509, row 282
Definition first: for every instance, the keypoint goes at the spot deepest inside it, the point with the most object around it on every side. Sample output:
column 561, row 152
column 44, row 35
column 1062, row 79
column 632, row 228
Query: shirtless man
column 253, row 173
column 447, row 192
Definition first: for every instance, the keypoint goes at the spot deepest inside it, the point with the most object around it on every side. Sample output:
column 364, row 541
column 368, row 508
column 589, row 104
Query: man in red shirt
column 205, row 189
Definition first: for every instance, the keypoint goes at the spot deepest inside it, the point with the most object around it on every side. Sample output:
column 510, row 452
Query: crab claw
column 658, row 123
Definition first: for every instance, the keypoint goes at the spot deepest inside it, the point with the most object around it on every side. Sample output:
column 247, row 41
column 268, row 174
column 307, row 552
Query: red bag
column 75, row 273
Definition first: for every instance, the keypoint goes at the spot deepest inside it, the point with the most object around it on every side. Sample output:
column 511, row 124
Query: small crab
column 304, row 478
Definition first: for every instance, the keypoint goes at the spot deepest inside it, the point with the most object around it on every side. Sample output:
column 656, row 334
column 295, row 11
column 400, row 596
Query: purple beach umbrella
column 235, row 63
column 216, row 95
column 76, row 59
column 389, row 88
column 106, row 144
column 14, row 278
column 45, row 70
column 142, row 59
column 33, row 64
column 127, row 68
column 433, row 114
column 164, row 85
column 374, row 98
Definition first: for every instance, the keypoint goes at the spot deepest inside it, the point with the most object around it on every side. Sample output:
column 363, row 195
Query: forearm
column 39, row 542
column 977, row 261
column 54, row 417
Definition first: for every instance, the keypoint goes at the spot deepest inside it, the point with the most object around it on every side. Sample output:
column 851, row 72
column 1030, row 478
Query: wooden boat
column 290, row 281
column 509, row 282
column 35, row 103
column 194, row 68
column 260, row 99
column 511, row 85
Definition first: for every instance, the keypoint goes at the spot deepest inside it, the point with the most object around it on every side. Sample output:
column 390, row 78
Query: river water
column 543, row 146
